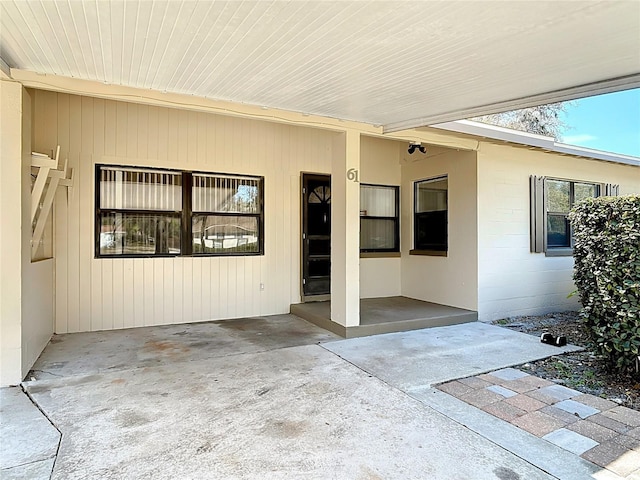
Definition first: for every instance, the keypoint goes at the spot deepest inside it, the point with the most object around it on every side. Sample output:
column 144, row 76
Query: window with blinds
column 139, row 212
column 153, row 212
column 379, row 218
column 136, row 189
column 226, row 214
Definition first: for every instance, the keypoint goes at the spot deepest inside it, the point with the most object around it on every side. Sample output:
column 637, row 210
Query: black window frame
column 259, row 216
column 395, row 218
column 441, row 249
column 185, row 215
column 549, row 213
column 540, row 213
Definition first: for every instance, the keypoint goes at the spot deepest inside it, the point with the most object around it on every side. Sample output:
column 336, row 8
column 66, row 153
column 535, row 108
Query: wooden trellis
column 49, row 177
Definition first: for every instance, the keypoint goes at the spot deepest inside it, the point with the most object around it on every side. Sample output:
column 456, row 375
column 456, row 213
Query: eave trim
column 596, row 88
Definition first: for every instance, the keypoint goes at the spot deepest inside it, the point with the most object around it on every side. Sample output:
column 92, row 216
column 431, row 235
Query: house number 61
column 352, row 175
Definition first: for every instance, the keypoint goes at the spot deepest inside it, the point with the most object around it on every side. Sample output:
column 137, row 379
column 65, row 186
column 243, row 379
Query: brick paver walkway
column 598, row 430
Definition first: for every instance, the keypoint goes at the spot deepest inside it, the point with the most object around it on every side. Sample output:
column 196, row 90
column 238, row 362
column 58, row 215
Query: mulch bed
column 583, row 371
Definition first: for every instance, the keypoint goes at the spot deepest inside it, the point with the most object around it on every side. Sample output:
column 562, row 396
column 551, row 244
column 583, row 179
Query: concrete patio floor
column 385, row 315
column 274, row 397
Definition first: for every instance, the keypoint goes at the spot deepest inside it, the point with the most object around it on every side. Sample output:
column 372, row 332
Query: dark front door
column 316, row 234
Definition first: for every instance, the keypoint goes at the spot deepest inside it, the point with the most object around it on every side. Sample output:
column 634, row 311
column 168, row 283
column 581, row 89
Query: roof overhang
column 391, row 64
column 530, row 140
column 573, row 93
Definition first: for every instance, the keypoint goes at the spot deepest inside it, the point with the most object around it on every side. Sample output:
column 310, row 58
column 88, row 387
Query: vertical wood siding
column 111, row 293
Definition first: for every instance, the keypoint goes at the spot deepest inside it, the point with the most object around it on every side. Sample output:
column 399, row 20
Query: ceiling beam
column 90, row 88
column 122, row 93
column 597, row 88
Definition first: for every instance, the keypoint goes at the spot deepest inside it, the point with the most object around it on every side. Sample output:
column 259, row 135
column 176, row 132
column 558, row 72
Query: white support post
column 11, row 333
column 345, row 229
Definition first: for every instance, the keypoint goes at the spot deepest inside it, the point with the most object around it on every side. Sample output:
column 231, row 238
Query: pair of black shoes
column 552, row 340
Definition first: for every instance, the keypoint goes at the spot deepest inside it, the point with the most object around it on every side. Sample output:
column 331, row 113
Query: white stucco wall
column 450, row 280
column 512, row 281
column 380, row 165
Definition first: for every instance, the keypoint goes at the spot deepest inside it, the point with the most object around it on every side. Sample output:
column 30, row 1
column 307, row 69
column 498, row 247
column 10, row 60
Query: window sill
column 177, row 255
column 379, row 254
column 429, row 253
column 559, row 252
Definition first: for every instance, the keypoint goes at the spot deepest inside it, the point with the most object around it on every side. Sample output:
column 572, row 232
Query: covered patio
column 266, row 91
column 216, row 380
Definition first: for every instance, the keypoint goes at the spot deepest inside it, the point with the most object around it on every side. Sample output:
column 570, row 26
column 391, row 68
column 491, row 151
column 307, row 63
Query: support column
column 345, row 229
column 10, row 233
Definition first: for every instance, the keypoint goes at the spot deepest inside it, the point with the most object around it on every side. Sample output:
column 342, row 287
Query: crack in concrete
column 27, row 463
column 33, row 401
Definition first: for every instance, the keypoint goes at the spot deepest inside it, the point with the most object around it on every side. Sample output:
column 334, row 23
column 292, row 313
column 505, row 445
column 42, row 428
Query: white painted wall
column 26, row 289
column 37, row 310
column 37, row 277
column 380, row 165
column 101, row 294
column 10, row 233
column 513, row 281
column 380, row 277
column 450, row 280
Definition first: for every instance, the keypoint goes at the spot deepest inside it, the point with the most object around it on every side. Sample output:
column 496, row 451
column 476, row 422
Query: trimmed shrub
column 607, row 275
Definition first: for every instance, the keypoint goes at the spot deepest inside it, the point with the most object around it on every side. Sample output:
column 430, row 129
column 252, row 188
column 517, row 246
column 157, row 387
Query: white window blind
column 225, row 194
column 378, row 201
column 139, row 189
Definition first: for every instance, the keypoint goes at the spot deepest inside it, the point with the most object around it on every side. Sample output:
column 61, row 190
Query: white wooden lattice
column 48, row 179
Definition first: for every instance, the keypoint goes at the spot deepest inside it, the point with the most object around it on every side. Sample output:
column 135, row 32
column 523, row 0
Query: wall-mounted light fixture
column 416, row 146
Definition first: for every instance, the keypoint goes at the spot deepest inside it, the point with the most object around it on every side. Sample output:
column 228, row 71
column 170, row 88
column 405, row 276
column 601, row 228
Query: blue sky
column 608, row 122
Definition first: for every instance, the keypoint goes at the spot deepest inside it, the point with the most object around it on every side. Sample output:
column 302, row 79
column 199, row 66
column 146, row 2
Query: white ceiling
column 397, row 64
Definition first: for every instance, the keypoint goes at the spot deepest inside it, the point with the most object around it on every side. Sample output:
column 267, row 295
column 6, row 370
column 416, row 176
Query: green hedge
column 607, row 275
